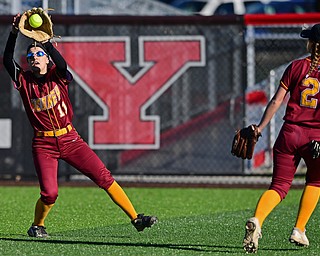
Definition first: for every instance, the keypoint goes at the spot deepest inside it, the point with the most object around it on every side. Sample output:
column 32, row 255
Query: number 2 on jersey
column 306, row 95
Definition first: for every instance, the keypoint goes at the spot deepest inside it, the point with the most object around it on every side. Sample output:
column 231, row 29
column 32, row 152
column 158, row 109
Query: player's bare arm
column 272, row 108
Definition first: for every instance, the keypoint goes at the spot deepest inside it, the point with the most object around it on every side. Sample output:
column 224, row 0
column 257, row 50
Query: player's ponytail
column 315, row 56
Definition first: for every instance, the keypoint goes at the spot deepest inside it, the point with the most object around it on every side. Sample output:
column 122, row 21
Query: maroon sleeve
column 286, row 78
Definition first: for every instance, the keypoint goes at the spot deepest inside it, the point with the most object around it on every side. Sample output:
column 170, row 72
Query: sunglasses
column 39, row 54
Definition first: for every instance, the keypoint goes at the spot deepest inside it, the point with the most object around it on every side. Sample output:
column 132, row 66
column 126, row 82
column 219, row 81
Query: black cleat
column 37, row 231
column 142, row 222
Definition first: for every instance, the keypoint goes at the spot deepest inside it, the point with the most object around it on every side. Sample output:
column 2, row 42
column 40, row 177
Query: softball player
column 44, row 93
column 301, row 125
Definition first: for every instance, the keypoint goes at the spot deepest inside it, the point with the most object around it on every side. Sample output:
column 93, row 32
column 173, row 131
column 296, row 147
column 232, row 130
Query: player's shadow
column 185, row 247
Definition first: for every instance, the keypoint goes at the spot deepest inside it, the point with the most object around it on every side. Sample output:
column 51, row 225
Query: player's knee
column 313, row 183
column 281, row 190
column 281, row 186
column 105, row 179
column 49, row 198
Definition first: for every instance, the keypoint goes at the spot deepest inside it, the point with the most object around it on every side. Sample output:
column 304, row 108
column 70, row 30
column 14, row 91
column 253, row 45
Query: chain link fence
column 271, row 48
column 158, row 96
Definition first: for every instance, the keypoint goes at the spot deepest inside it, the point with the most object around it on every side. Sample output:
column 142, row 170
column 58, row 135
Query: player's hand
column 15, row 24
column 315, row 148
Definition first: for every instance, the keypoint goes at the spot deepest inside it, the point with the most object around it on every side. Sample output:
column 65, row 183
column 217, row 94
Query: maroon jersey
column 46, row 100
column 303, row 106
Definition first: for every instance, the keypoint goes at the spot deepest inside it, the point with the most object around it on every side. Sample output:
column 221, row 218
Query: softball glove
column 40, row 34
column 244, row 142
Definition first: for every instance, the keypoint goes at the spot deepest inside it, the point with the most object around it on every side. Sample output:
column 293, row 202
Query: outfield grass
column 197, row 221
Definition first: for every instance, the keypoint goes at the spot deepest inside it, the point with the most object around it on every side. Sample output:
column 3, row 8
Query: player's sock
column 121, row 199
column 308, row 203
column 267, row 202
column 41, row 212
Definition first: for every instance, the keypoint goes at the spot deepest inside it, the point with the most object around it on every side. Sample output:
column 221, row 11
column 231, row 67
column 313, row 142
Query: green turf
column 197, row 221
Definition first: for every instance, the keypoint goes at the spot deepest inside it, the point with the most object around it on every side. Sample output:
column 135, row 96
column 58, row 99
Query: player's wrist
column 14, row 32
column 259, row 129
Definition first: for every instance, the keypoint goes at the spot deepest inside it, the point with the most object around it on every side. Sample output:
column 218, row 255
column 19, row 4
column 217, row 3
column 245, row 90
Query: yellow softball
column 35, row 20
